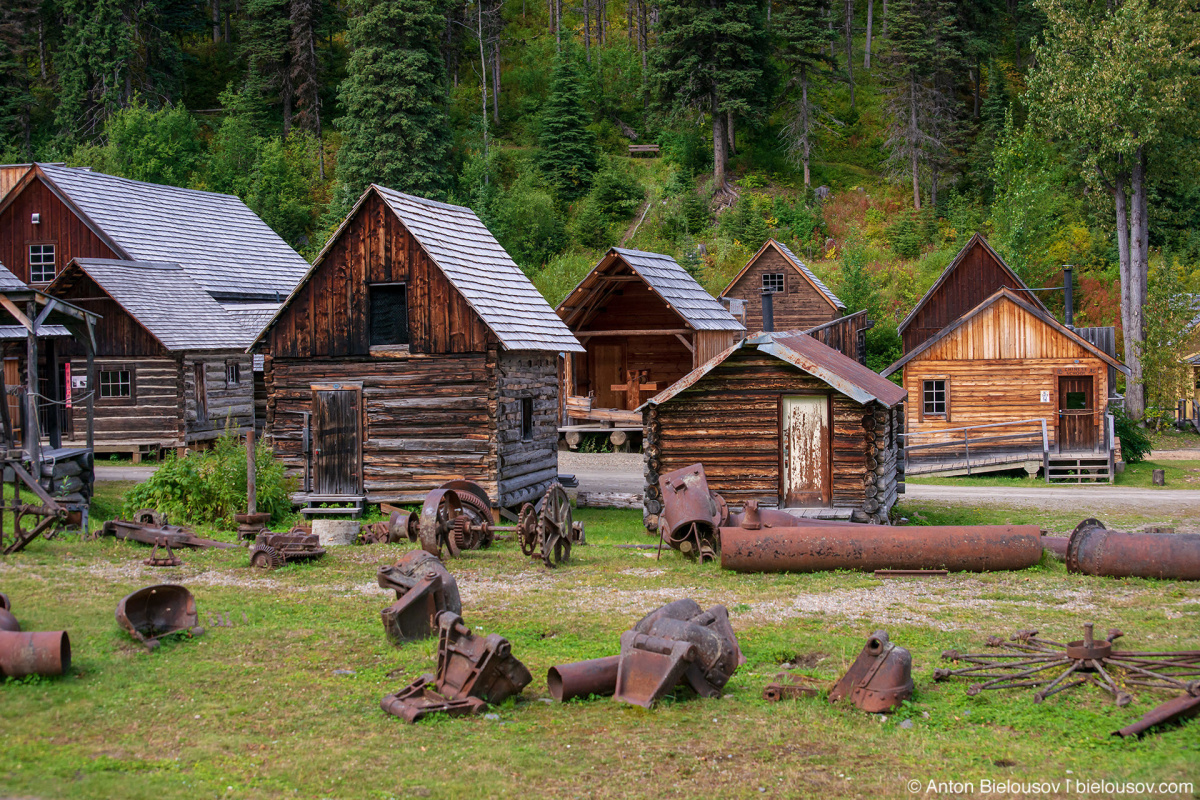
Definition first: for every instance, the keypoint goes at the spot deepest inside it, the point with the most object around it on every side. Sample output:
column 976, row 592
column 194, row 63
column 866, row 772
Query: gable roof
column 221, row 244
column 476, row 265
column 673, row 284
column 844, row 375
column 796, row 264
column 976, row 239
column 10, row 282
column 164, row 300
column 1005, row 293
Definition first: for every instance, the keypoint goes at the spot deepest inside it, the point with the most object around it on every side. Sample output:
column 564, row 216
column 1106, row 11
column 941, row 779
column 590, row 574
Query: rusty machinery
column 1182, row 707
column 46, row 653
column 424, row 588
column 151, row 613
column 879, row 679
column 472, row 672
column 273, row 550
column 1025, row 660
column 1095, row 550
column 151, row 527
column 169, row 560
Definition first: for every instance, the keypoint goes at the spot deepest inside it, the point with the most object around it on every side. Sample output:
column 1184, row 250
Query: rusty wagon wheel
column 554, row 526
column 441, row 508
column 527, row 529
column 478, row 509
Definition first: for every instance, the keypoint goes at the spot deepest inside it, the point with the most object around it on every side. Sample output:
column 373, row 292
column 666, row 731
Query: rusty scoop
column 879, row 679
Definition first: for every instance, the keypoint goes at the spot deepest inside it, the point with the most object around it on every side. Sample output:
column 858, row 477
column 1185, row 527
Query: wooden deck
column 1084, row 466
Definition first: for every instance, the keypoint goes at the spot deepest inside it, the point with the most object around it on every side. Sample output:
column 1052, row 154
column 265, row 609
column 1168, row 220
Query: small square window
column 772, row 282
column 934, row 397
column 389, row 315
column 115, row 383
column 527, row 419
column 41, row 263
column 233, row 374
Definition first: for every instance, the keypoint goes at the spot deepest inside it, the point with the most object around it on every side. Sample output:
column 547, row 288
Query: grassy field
column 259, row 709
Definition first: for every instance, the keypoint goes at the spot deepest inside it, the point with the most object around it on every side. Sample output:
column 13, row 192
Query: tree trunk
column 558, row 25
column 216, row 21
column 496, row 80
column 912, row 139
column 721, row 188
column 1120, row 201
column 42, row 48
column 483, row 71
column 587, row 29
column 630, row 20
column 804, row 141
column 730, row 134
column 1135, row 390
column 870, row 20
column 850, row 48
column 883, row 20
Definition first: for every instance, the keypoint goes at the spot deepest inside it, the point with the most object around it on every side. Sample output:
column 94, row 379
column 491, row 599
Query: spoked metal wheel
column 554, row 526
column 438, row 513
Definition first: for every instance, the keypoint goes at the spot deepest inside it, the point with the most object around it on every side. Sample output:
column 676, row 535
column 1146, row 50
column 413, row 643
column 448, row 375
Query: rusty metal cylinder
column 816, row 548
column 1095, row 550
column 8, row 622
column 582, row 678
column 46, row 653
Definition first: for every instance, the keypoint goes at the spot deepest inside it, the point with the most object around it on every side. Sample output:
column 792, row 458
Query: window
column 389, row 314
column 527, row 419
column 41, row 263
column 116, row 383
column 934, row 398
column 773, row 282
column 1077, row 401
column 233, row 374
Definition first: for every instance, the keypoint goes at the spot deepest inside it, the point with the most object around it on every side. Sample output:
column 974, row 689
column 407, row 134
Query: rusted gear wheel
column 264, row 556
column 476, row 506
column 462, row 535
column 554, row 526
column 441, row 508
column 527, row 529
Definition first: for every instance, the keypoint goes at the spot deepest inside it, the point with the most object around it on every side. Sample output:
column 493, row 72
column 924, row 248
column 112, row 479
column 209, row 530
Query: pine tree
column 755, row 232
column 695, row 212
column 801, row 40
column 306, row 69
column 397, row 127
column 265, row 45
column 93, row 66
column 568, row 149
column 18, row 22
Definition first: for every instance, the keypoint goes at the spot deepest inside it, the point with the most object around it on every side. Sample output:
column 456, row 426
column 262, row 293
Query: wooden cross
column 635, row 384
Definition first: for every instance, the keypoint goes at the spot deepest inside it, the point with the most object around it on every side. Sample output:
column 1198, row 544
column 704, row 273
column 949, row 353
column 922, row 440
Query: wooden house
column 974, row 275
column 414, row 352
column 783, row 419
column 1007, row 386
column 644, row 323
column 799, row 299
column 170, row 268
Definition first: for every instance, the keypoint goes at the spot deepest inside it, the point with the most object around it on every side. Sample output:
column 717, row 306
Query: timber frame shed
column 414, row 352
column 801, row 300
column 786, row 420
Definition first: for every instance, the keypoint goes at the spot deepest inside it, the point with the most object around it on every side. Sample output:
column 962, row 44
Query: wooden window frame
column 29, row 245
column 783, row 282
column 393, row 347
column 233, row 368
column 944, row 416
column 131, row 399
column 527, row 420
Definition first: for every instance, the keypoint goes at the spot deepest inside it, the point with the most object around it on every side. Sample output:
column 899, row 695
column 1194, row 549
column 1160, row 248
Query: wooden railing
column 1187, row 411
column 956, row 440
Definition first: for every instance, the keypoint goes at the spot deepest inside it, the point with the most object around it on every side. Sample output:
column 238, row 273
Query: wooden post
column 251, row 487
column 53, row 418
column 92, row 388
column 32, row 435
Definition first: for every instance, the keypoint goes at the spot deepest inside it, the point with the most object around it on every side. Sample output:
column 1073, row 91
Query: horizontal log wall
column 527, row 467
column 154, row 416
column 228, row 406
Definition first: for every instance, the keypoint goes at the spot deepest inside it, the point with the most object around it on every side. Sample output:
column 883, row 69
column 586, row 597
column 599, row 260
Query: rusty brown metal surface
column 249, row 525
column 1024, row 660
column 168, row 560
column 1180, row 708
column 1056, row 545
column 910, row 573
column 691, row 513
column 424, row 588
column 1095, row 550
column 151, row 533
column 790, row 686
column 472, row 672
column 151, row 613
column 273, row 550
column 44, row 653
column 960, row 548
column 7, row 621
column 597, row 676
column 880, row 678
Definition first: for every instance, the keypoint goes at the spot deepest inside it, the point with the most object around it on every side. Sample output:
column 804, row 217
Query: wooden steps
column 352, row 505
column 1067, row 468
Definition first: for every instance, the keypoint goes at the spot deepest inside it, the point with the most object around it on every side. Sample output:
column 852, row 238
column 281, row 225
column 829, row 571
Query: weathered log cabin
column 412, row 353
column 1007, row 386
column 974, row 275
column 644, row 323
column 785, row 420
column 800, row 300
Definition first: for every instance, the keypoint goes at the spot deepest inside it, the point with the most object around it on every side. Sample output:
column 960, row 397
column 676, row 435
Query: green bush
column 906, row 237
column 1135, row 442
column 209, row 486
column 617, row 193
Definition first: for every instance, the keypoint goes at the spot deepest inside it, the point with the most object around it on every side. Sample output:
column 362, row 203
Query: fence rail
column 950, row 443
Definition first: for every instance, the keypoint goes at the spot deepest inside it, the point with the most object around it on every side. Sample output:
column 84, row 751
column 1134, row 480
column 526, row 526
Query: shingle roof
column 222, row 245
column 253, row 317
column 166, row 302
column 20, row 331
column 671, row 281
column 10, row 282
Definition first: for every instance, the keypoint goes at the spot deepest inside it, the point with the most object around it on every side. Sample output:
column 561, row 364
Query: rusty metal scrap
column 1095, row 550
column 691, row 514
column 43, row 653
column 273, row 550
column 152, row 532
column 151, row 613
column 880, row 678
column 7, row 621
column 597, row 676
column 472, row 672
column 169, row 560
column 790, row 686
column 394, row 530
column 1180, row 708
column 1055, row 666
column 424, row 589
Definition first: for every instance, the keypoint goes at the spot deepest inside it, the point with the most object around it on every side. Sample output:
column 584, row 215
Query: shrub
column 1135, row 443
column 906, row 237
column 617, row 194
column 209, row 486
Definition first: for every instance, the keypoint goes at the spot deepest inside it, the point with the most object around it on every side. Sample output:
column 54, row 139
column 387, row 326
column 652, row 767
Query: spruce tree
column 567, row 154
column 265, row 35
column 802, row 37
column 396, row 127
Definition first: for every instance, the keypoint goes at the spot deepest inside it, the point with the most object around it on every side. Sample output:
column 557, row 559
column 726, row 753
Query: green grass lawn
column 255, row 710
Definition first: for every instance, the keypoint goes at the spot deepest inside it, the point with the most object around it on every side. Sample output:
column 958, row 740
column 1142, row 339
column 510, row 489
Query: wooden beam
column 11, row 307
column 647, row 332
column 686, row 343
column 51, row 304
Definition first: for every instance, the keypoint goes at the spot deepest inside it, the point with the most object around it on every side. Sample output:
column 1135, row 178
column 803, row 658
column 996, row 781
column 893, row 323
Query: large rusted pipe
column 22, row 654
column 815, row 548
column 582, row 678
column 1095, row 550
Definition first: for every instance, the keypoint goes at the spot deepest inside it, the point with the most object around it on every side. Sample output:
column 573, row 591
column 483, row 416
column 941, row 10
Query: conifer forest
column 872, row 137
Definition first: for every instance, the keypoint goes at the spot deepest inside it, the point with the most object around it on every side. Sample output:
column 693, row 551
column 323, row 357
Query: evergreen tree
column 18, row 23
column 689, row 257
column 155, row 146
column 802, row 37
column 695, row 212
column 567, row 155
column 93, row 66
column 266, row 46
column 755, row 231
column 993, row 109
column 397, row 127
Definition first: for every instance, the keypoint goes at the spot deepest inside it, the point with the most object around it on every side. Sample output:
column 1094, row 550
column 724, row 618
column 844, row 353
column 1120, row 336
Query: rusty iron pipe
column 1095, row 550
column 816, row 548
column 597, row 676
column 1178, row 709
column 44, row 653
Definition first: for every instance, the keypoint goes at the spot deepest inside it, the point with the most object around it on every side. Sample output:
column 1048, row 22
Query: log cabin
column 783, row 419
column 800, row 299
column 414, row 352
column 973, row 276
column 1007, row 386
column 644, row 323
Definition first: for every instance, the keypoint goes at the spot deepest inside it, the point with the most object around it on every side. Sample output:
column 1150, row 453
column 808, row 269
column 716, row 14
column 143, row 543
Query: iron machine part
column 597, row 676
column 790, row 686
column 273, row 550
column 1025, row 660
column 396, row 529
column 41, row 653
column 150, row 527
column 7, row 621
column 424, row 589
column 1182, row 707
column 1095, row 550
column 169, row 560
column 879, row 679
column 151, row 613
column 472, row 673
column 691, row 514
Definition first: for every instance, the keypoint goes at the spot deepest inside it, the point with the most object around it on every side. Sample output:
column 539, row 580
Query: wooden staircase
column 1079, row 468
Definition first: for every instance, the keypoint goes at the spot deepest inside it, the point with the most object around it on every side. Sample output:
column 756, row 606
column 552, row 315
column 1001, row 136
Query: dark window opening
column 233, row 374
column 41, row 263
column 389, row 315
column 527, row 419
column 116, row 383
column 772, row 282
column 934, row 397
column 1076, row 401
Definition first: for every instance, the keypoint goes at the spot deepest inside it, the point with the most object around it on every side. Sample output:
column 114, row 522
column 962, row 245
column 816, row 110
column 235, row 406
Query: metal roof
column 165, row 301
column 20, row 331
column 672, row 282
column 222, row 245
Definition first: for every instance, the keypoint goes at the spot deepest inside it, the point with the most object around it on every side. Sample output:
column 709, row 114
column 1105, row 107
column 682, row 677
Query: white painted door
column 806, row 449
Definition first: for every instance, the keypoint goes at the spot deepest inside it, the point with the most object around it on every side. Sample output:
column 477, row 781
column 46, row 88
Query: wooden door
column 608, row 370
column 806, row 450
column 1076, row 413
column 335, row 453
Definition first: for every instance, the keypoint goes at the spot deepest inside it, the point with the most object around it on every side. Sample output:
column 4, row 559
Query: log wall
column 153, row 416
column 800, row 306
column 527, row 467
column 228, row 406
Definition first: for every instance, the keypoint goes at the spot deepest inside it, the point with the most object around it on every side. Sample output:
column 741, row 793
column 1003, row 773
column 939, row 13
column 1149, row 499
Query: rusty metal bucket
column 44, row 653
column 1095, row 550
column 157, row 611
column 597, row 676
column 424, row 588
column 879, row 679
